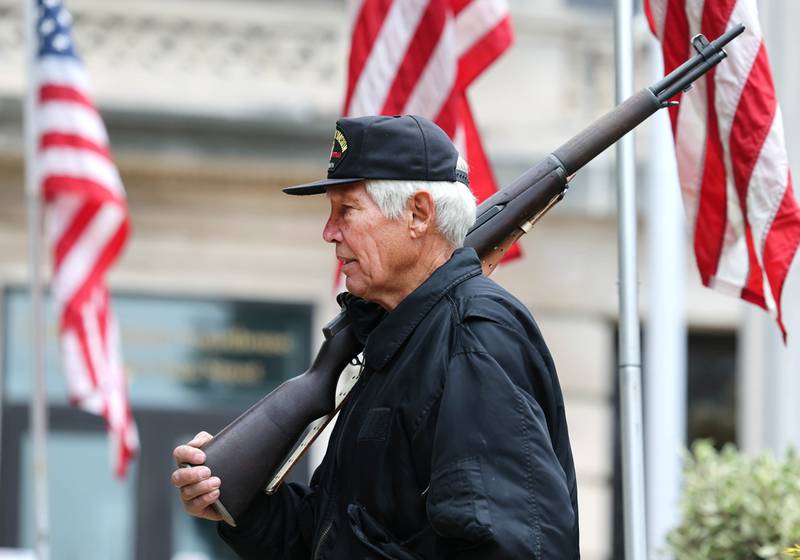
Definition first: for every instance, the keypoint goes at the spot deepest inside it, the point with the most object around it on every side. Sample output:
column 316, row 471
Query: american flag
column 732, row 163
column 419, row 57
column 87, row 226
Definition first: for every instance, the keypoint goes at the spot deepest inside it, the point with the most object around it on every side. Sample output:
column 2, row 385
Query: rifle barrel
column 708, row 55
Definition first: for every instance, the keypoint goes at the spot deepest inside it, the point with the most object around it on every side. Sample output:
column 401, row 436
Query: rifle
column 259, row 447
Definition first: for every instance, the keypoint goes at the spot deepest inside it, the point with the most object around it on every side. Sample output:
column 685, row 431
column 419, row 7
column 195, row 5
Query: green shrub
column 737, row 507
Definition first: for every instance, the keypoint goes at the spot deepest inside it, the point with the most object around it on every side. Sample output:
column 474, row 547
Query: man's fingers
column 210, row 513
column 199, row 504
column 200, row 439
column 188, row 454
column 192, row 475
column 198, row 489
column 192, row 491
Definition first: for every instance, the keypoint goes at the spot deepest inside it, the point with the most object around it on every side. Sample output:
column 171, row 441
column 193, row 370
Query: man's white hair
column 454, row 202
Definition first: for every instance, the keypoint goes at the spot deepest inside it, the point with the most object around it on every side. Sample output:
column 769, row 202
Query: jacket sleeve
column 497, row 489
column 276, row 526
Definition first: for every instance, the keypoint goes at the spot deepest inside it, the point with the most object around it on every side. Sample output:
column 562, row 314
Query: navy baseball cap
column 407, row 147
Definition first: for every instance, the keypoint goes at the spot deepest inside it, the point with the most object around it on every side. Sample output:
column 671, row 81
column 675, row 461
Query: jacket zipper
column 331, row 500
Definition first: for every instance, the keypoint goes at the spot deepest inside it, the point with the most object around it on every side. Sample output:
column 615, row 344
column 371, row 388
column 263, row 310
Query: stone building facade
column 212, row 106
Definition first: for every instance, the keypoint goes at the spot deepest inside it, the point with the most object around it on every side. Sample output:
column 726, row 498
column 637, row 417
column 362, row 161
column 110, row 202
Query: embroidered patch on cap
column 337, row 150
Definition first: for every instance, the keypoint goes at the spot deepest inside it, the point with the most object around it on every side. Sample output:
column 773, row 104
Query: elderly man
column 454, row 441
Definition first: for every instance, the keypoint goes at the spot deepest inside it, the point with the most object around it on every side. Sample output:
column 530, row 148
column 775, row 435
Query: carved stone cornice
column 265, row 78
column 244, row 57
column 227, row 57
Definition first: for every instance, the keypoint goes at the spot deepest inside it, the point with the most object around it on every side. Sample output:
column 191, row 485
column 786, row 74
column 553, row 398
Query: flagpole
column 629, row 366
column 38, row 406
column 665, row 339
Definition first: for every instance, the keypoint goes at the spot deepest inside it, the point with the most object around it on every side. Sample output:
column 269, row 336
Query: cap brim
column 319, row 187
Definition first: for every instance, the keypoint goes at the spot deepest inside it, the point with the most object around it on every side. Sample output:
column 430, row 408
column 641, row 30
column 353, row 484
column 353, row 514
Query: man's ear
column 423, row 213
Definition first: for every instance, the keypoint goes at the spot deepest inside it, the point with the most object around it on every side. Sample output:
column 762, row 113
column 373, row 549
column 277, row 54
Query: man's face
column 374, row 251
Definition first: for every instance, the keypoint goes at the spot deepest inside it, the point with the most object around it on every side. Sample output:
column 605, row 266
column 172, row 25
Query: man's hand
column 197, row 487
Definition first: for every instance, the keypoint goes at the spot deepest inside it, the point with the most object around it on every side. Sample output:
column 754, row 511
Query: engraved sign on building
column 193, row 364
column 179, row 352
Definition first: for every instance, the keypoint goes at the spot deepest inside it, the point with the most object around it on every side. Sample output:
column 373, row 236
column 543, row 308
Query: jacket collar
column 387, row 338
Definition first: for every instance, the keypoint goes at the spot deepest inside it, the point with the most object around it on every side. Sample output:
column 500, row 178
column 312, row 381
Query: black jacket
column 453, row 444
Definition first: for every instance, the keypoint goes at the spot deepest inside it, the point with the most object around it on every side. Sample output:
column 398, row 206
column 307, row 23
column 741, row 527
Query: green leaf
column 737, row 507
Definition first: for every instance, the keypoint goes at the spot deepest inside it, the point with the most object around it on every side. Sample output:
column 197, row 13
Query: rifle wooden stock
column 246, row 453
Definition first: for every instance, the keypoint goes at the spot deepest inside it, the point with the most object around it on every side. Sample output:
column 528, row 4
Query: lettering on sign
column 222, row 371
column 234, row 341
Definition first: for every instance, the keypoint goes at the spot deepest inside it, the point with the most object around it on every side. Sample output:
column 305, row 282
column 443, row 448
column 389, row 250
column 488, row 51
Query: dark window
column 711, row 387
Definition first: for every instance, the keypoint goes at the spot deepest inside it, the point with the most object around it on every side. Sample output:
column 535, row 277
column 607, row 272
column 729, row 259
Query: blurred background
column 212, row 106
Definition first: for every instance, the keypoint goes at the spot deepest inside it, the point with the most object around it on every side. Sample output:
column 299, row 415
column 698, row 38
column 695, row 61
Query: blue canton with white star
column 53, row 29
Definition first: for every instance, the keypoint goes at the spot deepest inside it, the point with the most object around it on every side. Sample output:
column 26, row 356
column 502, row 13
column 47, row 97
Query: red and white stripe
column 419, row 57
column 732, row 163
column 87, row 218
